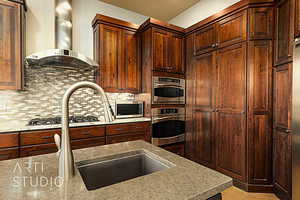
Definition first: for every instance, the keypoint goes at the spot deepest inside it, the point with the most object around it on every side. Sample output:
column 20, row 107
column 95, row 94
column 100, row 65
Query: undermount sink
column 98, row 173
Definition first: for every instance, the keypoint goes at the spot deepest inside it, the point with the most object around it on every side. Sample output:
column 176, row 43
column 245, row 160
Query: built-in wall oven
column 168, row 125
column 168, row 90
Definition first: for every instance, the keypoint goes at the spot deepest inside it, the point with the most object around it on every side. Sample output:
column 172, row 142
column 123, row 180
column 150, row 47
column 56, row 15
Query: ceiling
column 163, row 10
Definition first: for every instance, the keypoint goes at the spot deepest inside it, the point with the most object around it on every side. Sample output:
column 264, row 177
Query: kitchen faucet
column 65, row 154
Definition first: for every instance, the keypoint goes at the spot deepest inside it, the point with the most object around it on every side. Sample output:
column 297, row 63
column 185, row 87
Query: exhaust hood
column 62, row 55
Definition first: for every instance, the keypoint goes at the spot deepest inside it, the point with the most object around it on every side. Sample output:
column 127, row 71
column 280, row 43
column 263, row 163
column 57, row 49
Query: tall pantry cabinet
column 229, row 90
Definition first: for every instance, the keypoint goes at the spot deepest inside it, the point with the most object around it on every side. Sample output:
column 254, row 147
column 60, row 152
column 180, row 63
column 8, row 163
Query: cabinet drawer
column 35, row 150
column 85, row 143
column 125, row 138
column 10, row 153
column 9, row 140
column 86, row 132
column 38, row 137
column 232, row 29
column 127, row 128
column 175, row 148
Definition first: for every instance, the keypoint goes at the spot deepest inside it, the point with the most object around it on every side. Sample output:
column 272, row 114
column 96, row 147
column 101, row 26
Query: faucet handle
column 57, row 142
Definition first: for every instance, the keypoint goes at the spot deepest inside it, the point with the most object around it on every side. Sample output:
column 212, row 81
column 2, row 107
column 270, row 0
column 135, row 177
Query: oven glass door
column 168, row 128
column 168, row 94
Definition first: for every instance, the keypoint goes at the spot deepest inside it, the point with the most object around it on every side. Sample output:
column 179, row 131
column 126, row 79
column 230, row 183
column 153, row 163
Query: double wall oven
column 168, row 121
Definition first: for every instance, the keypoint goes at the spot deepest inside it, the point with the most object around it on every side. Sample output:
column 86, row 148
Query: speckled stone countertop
column 33, row 178
column 16, row 126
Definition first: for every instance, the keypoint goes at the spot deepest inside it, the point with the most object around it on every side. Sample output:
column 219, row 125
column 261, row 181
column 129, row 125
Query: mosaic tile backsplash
column 43, row 93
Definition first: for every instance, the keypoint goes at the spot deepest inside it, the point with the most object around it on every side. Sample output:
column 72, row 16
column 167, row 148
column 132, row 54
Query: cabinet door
column 160, row 50
column 260, row 112
column 129, row 70
column 283, row 96
column 175, row 53
column 297, row 18
column 231, row 117
column 205, row 70
column 10, row 45
column 232, row 29
column 9, row 153
column 282, row 164
column 261, row 23
column 110, row 57
column 283, row 32
column 204, row 40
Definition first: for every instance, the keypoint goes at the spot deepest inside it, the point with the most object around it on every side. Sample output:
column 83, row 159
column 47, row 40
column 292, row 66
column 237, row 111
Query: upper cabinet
column 164, row 45
column 232, row 29
column 297, row 18
column 283, row 32
column 205, row 40
column 116, row 50
column 12, row 18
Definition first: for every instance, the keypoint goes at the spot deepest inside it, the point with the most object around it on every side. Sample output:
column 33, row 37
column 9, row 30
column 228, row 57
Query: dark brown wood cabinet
column 175, row 148
column 116, row 49
column 9, row 146
column 229, row 94
column 12, row 19
column 205, row 40
column 297, row 18
column 232, row 29
column 260, row 112
column 9, row 153
column 282, row 145
column 162, row 47
column 284, row 32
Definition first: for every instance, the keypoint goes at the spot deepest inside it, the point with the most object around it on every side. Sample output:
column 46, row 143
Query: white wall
column 200, row 11
column 40, row 23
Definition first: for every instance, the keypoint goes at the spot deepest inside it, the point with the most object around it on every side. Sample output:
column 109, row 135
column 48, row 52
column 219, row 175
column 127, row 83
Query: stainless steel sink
column 106, row 171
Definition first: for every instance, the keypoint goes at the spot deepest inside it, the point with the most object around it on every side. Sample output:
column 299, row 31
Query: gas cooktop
column 57, row 120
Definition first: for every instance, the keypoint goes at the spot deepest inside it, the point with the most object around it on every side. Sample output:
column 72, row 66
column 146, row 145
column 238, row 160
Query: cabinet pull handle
column 86, row 133
column 46, row 137
column 217, row 44
column 288, row 131
column 119, row 129
column 213, row 45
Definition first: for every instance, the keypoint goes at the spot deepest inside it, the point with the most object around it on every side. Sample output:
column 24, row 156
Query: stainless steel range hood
column 62, row 56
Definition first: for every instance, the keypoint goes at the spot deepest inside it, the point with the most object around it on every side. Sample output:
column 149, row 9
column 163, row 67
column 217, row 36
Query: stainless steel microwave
column 129, row 109
column 167, row 90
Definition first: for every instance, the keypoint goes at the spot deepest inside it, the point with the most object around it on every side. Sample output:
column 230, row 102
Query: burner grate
column 57, row 120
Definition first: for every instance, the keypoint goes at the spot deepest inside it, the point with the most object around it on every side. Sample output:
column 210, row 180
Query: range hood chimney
column 62, row 55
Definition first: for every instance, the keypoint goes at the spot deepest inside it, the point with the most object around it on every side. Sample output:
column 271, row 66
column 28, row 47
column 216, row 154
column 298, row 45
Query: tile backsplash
column 43, row 93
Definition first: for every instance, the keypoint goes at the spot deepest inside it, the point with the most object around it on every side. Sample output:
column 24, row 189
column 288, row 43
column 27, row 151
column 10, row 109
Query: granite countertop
column 17, row 126
column 34, row 178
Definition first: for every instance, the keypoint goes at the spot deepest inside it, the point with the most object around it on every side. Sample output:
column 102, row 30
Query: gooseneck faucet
column 65, row 154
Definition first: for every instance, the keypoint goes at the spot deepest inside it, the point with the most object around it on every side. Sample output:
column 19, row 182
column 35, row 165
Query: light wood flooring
column 234, row 193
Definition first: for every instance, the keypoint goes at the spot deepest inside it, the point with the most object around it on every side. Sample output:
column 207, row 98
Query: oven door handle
column 168, row 85
column 160, row 119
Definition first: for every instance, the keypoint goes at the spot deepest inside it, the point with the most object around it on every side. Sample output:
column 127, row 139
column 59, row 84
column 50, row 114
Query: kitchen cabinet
column 284, row 32
column 260, row 112
column 231, row 111
column 162, row 47
column 128, row 132
column 205, row 40
column 229, row 94
column 9, row 153
column 9, row 146
column 232, row 29
column 12, row 29
column 297, row 18
column 282, row 145
column 177, row 148
column 116, row 49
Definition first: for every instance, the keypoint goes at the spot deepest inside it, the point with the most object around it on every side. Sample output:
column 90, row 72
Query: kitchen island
column 37, row 178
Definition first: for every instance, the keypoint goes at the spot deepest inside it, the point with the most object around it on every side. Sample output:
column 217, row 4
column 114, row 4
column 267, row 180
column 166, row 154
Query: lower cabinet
column 9, row 153
column 175, row 148
column 35, row 143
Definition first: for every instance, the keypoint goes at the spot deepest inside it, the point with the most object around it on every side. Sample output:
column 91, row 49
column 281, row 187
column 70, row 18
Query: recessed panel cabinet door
column 204, row 122
column 205, row 40
column 283, row 32
column 160, row 50
column 10, row 45
column 130, row 74
column 232, row 29
column 110, row 51
column 175, row 54
column 231, row 99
